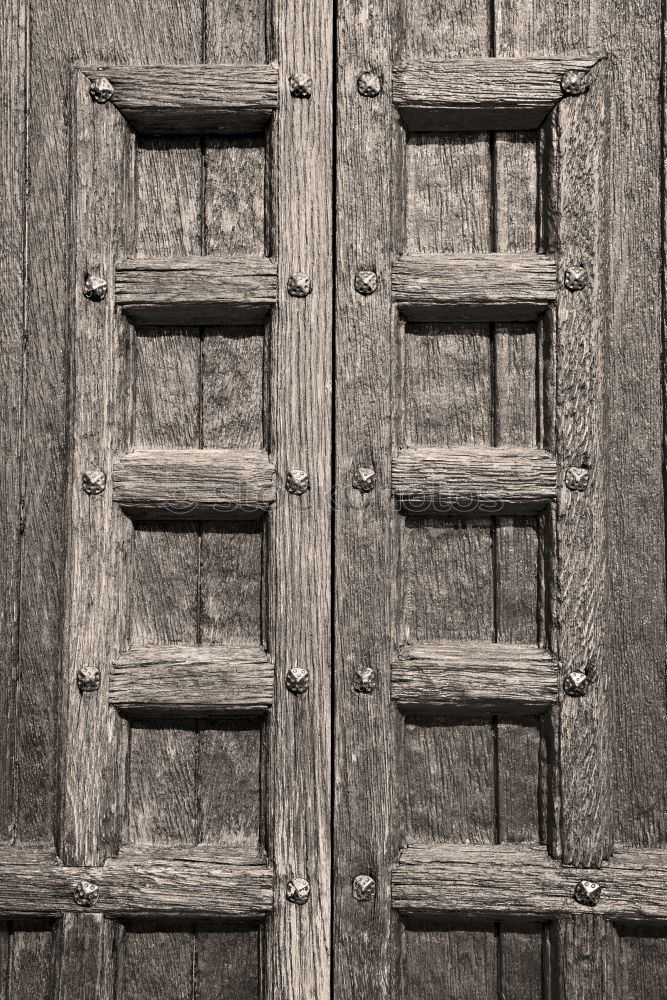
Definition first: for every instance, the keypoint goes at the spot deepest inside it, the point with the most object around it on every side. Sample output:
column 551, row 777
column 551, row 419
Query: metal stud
column 369, row 84
column 298, row 891
column 587, row 893
column 574, row 82
column 86, row 893
column 300, row 85
column 364, row 680
column 299, row 285
column 363, row 888
column 94, row 482
column 364, row 480
column 297, row 680
column 577, row 478
column 297, row 482
column 576, row 278
column 88, row 679
column 366, row 282
column 576, row 683
column 101, row 90
column 95, row 287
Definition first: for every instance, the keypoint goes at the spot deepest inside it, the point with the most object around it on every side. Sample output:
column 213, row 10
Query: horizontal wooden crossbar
column 206, row 483
column 194, row 290
column 520, row 880
column 486, row 675
column 473, row 481
column 188, row 881
column 188, row 99
column 485, row 287
column 179, row 680
column 466, row 95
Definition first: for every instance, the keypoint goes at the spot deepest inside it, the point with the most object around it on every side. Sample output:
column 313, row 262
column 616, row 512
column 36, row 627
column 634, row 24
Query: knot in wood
column 297, row 680
column 366, row 282
column 576, row 683
column 574, row 82
column 299, row 285
column 576, row 278
column 587, row 893
column 88, row 678
column 297, row 482
column 363, row 888
column 577, row 478
column 93, row 483
column 101, row 90
column 369, row 84
column 298, row 891
column 95, row 288
column 86, row 893
column 364, row 480
column 301, row 85
column 364, row 680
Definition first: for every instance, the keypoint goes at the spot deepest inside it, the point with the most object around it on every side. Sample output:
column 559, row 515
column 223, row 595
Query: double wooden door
column 333, row 621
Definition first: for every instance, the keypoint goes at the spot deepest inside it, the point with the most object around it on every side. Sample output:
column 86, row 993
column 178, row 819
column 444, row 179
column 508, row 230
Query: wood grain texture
column 467, row 95
column 85, row 946
column 583, row 942
column 480, row 674
column 640, row 961
column 205, row 482
column 195, row 680
column 196, row 289
column 473, row 480
column 522, row 879
column 474, row 287
column 193, row 99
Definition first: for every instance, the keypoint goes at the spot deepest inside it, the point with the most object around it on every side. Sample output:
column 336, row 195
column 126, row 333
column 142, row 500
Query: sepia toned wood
column 27, row 954
column 196, row 289
column 522, row 879
column 474, row 480
column 478, row 287
column 468, row 95
column 156, row 958
column 640, row 955
column 207, row 482
column 583, row 943
column 474, row 674
column 187, row 680
column 192, row 99
column 85, row 945
column 448, row 958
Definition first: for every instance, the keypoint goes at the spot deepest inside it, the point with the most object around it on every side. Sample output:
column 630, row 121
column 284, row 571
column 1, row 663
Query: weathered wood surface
column 193, row 99
column 85, row 956
column 487, row 675
column 188, row 483
column 583, row 945
column 195, row 290
column 507, row 879
column 26, row 959
column 481, row 287
column 474, row 481
column 187, row 680
column 467, row 95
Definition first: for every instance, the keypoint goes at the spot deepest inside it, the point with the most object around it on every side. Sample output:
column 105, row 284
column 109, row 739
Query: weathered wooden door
column 209, row 223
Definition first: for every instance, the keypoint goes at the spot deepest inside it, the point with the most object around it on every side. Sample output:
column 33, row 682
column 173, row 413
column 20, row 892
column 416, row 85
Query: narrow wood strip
column 206, row 482
column 485, row 675
column 467, row 95
column 192, row 679
column 190, row 99
column 480, row 287
column 84, row 967
column 584, row 945
column 517, row 880
column 473, row 480
column 192, row 290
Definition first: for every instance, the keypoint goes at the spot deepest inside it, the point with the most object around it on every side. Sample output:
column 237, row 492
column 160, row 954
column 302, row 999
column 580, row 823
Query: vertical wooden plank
column 12, row 334
column 449, row 960
column 227, row 962
column 85, row 947
column 641, row 961
column 521, row 961
column 162, row 794
column 92, row 791
column 300, row 538
column 30, row 958
column 156, row 961
column 582, row 956
column 230, row 786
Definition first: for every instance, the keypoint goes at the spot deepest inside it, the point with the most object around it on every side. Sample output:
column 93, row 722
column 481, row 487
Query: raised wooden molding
column 192, row 290
column 466, row 95
column 158, row 680
column 473, row 480
column 188, row 99
column 465, row 675
column 194, row 483
column 521, row 880
column 477, row 287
